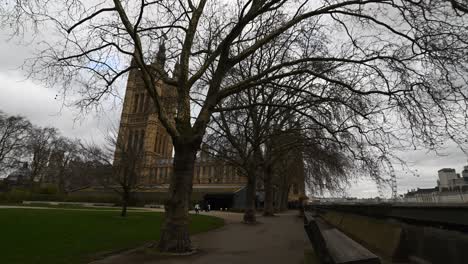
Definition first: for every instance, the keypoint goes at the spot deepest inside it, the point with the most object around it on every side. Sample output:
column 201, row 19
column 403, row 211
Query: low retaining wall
column 381, row 236
column 399, row 241
column 436, row 245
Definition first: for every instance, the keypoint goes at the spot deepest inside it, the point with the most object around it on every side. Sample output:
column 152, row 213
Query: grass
column 72, row 236
column 74, row 206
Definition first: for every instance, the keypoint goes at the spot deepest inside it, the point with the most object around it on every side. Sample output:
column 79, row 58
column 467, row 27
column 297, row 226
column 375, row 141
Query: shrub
column 17, row 195
column 48, row 189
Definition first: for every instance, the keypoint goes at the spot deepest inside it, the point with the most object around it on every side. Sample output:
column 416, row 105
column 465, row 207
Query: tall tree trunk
column 125, row 199
column 268, row 209
column 286, row 197
column 61, row 181
column 175, row 232
column 249, row 214
column 284, row 191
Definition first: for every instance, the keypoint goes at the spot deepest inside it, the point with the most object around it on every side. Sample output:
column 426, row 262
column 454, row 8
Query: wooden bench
column 334, row 247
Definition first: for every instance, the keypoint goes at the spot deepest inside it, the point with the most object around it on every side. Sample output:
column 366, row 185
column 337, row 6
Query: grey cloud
column 38, row 104
column 33, row 100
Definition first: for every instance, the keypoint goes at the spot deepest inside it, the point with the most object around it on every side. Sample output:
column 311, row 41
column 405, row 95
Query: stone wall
column 396, row 241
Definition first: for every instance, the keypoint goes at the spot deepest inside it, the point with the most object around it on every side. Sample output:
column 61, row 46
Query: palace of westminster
column 140, row 126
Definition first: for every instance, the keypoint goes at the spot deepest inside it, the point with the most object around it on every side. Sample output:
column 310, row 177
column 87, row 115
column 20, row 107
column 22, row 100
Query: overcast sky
column 20, row 96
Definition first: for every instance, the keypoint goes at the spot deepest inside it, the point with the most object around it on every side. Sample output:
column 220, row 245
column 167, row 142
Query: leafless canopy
column 14, row 135
column 405, row 59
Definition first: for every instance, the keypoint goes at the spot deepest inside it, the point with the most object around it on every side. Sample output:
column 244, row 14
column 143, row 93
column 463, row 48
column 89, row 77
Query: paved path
column 275, row 240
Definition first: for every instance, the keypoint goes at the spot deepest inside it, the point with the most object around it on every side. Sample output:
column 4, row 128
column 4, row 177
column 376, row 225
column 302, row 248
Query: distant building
column 19, row 177
column 465, row 172
column 449, row 180
column 451, row 188
column 445, row 176
column 422, row 195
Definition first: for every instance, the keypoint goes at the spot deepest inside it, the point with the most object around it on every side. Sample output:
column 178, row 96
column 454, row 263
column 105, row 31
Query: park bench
column 334, row 247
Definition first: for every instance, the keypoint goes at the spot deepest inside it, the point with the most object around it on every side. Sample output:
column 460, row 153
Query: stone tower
column 140, row 125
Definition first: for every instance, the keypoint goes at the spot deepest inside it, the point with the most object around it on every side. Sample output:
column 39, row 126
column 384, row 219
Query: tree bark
column 268, row 209
column 61, row 181
column 125, row 197
column 283, row 193
column 249, row 214
column 175, row 232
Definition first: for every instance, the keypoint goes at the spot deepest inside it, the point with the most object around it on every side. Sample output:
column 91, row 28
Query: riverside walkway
column 274, row 240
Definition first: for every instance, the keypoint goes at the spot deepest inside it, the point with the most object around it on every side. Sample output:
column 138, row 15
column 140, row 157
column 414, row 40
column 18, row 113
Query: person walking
column 209, row 207
column 197, row 208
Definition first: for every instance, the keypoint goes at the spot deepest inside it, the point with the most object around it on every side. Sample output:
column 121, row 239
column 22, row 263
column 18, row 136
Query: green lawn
column 72, row 236
column 75, row 206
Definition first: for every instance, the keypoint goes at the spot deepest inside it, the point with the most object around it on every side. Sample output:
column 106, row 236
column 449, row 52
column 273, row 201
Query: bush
column 84, row 197
column 49, row 193
column 16, row 196
column 48, row 189
column 3, row 186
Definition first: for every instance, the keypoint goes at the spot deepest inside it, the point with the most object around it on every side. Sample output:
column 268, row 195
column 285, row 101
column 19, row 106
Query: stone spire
column 133, row 62
column 176, row 70
column 161, row 55
column 204, row 155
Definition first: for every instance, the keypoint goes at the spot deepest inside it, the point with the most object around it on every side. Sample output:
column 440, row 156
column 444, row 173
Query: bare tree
column 92, row 167
column 243, row 132
column 126, row 161
column 127, row 165
column 405, row 59
column 326, row 168
column 40, row 146
column 65, row 152
column 284, row 166
column 14, row 134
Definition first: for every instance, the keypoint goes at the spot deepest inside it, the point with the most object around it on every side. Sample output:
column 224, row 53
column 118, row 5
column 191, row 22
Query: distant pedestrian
column 209, row 207
column 197, row 208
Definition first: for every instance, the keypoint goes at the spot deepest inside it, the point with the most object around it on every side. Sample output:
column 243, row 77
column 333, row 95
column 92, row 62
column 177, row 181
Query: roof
column 19, row 173
column 422, row 191
column 447, row 170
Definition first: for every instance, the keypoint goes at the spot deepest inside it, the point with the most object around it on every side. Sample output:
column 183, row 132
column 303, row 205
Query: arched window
column 135, row 103
column 163, row 139
column 135, row 140
column 156, row 142
column 166, row 178
column 130, row 138
column 147, row 104
column 142, row 138
column 159, row 142
column 141, row 103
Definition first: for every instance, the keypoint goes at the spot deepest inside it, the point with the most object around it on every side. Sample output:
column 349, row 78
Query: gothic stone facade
column 140, row 126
